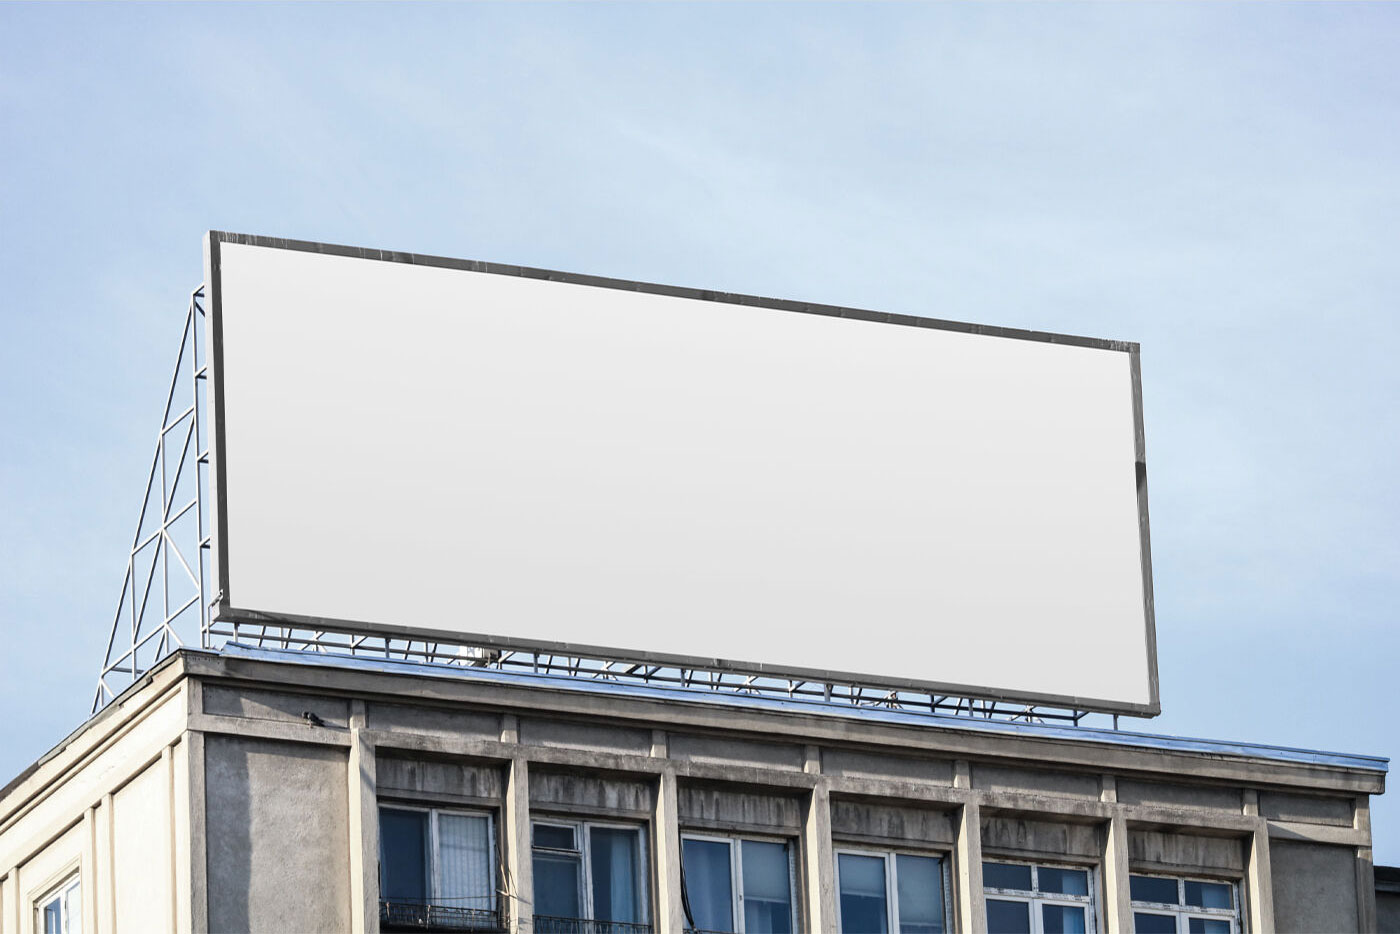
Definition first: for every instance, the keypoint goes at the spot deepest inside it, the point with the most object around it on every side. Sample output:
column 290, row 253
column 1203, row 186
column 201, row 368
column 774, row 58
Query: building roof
column 869, row 714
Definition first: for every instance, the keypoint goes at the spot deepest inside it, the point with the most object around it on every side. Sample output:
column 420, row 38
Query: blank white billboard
column 523, row 458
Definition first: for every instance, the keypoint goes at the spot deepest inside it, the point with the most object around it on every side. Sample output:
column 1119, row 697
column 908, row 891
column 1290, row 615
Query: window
column 1032, row 899
column 437, row 869
column 738, row 886
column 61, row 911
column 883, row 892
column 1169, row 905
column 589, row 878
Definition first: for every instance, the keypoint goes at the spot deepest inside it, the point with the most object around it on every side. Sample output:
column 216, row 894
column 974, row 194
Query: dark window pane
column 767, row 888
column 1006, row 876
column 616, row 874
column 709, row 886
column 864, row 908
column 557, row 885
column 1008, row 917
column 1062, row 919
column 1208, row 926
column 1153, row 889
column 1064, row 881
column 403, row 855
column 1208, row 895
column 1144, row 923
column 920, row 883
column 53, row 918
column 554, row 838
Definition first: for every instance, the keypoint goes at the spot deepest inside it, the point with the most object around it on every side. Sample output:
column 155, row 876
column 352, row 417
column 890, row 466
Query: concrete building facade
column 250, row 790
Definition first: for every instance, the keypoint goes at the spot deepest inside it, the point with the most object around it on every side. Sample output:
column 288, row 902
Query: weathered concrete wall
column 141, row 846
column 441, row 780
column 277, row 836
column 1185, row 852
column 1388, row 912
column 716, row 807
column 1314, row 887
column 861, row 820
column 1015, row 835
column 590, row 794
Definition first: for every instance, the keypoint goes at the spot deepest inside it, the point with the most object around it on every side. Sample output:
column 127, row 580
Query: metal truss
column 163, row 588
column 164, row 593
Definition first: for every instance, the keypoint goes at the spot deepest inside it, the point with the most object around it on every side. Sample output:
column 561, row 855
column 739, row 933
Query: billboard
column 513, row 457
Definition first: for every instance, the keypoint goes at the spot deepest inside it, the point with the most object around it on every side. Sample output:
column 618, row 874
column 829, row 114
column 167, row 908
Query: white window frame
column 1184, row 913
column 431, row 870
column 892, row 881
column 64, row 892
column 1034, row 897
column 582, row 840
column 736, row 873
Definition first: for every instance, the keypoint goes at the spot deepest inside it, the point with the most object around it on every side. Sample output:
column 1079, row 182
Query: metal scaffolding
column 166, row 601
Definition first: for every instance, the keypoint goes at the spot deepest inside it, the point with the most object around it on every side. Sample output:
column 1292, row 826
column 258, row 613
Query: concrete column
column 670, row 909
column 1259, row 880
column 1117, row 896
column 87, row 871
column 107, row 856
column 180, row 834
column 364, row 826
column 967, row 866
column 197, row 851
column 520, row 888
column 9, row 889
column 1365, row 866
column 818, row 861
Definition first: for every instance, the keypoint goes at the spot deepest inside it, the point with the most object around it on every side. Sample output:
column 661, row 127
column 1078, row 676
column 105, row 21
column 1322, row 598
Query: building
column 265, row 790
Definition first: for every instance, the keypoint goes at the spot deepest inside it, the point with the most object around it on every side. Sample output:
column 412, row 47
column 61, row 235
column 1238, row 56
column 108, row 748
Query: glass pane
column 557, row 885
column 864, row 908
column 1208, row 926
column 464, row 862
column 1008, row 917
column 1062, row 919
column 616, row 876
column 403, row 859
column 1153, row 889
column 53, row 917
column 1208, row 895
column 1064, row 881
column 554, row 838
column 1144, row 923
column 767, row 888
column 920, row 883
column 709, row 886
column 1006, row 876
column 72, row 910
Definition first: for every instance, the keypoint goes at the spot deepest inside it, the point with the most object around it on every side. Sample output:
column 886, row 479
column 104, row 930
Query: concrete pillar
column 1117, row 896
column 818, row 861
column 196, row 852
column 87, row 871
column 665, row 824
column 364, row 826
column 967, row 868
column 107, row 858
column 1259, row 881
column 9, row 901
column 519, row 875
column 1365, row 867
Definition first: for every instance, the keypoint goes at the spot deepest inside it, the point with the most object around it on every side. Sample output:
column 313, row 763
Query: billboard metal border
column 224, row 608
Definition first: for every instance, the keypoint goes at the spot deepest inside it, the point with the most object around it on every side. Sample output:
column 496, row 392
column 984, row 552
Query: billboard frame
column 225, row 609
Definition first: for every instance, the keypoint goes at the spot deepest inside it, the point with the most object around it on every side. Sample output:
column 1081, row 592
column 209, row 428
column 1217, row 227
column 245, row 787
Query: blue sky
column 1218, row 182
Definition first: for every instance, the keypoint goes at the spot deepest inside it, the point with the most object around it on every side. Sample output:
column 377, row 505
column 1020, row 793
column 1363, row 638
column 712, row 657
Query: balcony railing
column 406, row 915
column 546, row 924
